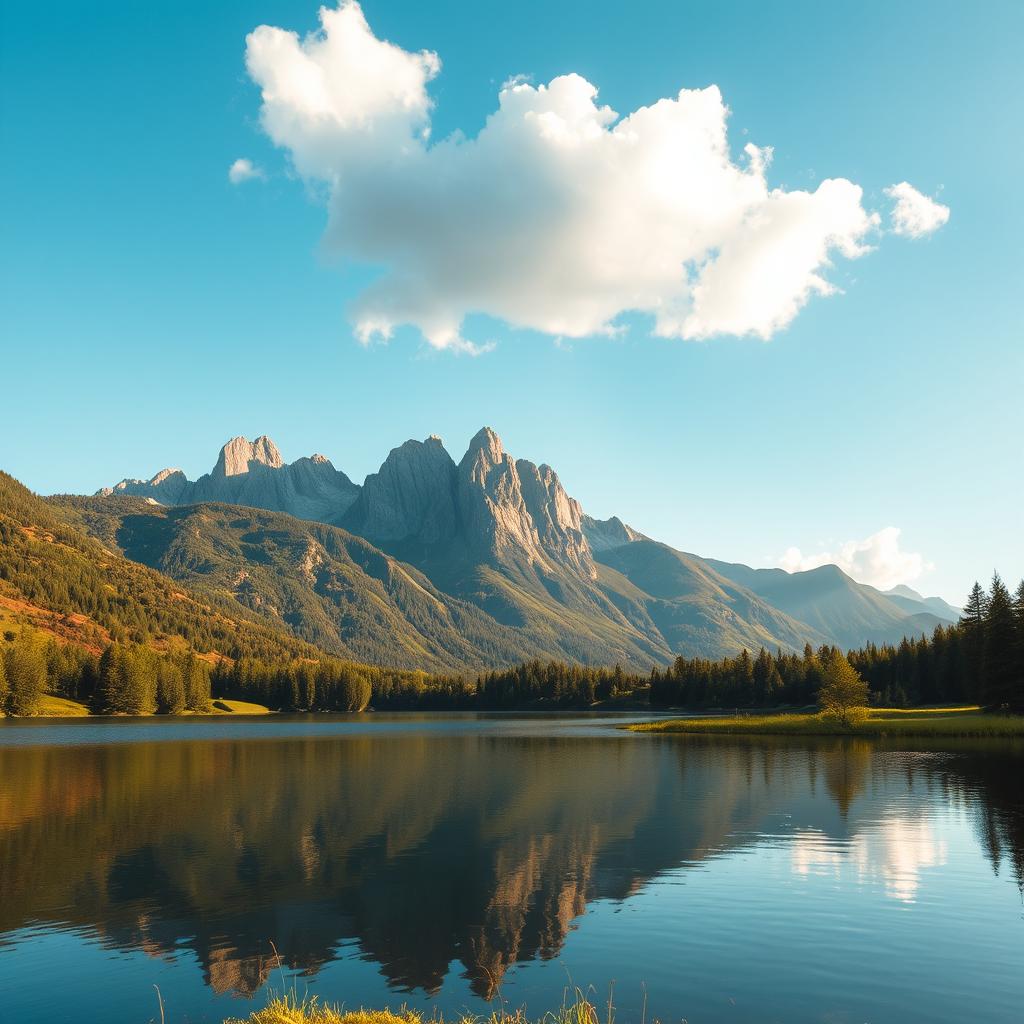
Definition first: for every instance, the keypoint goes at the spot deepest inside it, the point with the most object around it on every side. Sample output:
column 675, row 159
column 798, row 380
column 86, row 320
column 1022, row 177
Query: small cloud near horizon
column 243, row 169
column 877, row 560
column 560, row 215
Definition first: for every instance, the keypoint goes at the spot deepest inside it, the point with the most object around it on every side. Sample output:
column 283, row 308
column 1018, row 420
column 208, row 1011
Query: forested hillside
column 71, row 584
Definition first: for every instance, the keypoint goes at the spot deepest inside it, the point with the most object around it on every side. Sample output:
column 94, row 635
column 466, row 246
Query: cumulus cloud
column 559, row 215
column 915, row 215
column 243, row 169
column 877, row 560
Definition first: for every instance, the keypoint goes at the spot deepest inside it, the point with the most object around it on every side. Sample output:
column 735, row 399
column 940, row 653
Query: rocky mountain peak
column 485, row 448
column 253, row 473
column 607, row 534
column 238, row 456
column 166, row 474
column 411, row 496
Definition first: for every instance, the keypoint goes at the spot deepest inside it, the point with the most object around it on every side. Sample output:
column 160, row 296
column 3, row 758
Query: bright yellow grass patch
column 239, row 707
column 60, row 707
column 290, row 1011
column 921, row 722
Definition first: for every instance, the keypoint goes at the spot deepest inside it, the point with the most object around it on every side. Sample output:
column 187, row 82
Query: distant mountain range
column 439, row 564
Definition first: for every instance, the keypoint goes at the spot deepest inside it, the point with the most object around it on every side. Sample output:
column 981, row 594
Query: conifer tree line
column 979, row 660
column 125, row 679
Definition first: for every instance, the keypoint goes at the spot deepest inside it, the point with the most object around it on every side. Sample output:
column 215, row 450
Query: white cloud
column 243, row 169
column 877, row 560
column 915, row 215
column 559, row 215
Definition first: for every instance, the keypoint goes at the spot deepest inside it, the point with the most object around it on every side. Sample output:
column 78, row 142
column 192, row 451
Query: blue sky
column 151, row 309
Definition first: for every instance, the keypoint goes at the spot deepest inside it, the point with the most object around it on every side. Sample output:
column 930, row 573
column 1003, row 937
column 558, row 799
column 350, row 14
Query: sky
column 773, row 318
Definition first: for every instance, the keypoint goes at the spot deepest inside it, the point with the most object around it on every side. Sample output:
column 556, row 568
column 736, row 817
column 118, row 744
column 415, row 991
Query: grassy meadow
column 936, row 722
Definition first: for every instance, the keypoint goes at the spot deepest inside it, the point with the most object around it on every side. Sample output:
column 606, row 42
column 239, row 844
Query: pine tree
column 4, row 688
column 170, row 688
column 26, row 675
column 999, row 681
column 109, row 682
column 972, row 627
column 197, row 684
column 1017, row 699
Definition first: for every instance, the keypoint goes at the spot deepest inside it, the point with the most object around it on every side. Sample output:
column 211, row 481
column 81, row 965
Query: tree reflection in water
column 426, row 851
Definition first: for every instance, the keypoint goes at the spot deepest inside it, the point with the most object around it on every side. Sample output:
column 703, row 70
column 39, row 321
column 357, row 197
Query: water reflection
column 425, row 851
column 895, row 851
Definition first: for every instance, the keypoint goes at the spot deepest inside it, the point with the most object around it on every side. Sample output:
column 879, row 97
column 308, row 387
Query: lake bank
column 290, row 1011
column 53, row 707
column 61, row 707
column 879, row 722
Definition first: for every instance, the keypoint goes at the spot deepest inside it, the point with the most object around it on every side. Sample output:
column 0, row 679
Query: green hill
column 58, row 579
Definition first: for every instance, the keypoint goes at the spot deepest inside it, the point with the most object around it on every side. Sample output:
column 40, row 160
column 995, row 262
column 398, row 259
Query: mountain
column 699, row 611
column 912, row 602
column 253, row 473
column 323, row 584
column 478, row 562
column 851, row 614
column 503, row 534
column 67, row 583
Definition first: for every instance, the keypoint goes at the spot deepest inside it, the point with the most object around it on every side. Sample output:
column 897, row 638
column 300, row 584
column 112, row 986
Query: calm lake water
column 450, row 861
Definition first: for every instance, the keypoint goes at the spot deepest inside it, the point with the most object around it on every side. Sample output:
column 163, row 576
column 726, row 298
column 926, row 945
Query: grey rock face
column 412, row 495
column 253, row 473
column 490, row 505
column 238, row 455
column 514, row 507
column 606, row 534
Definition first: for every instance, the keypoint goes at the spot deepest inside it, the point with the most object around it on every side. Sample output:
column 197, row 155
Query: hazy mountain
column 495, row 548
column 253, row 473
column 849, row 613
column 913, row 603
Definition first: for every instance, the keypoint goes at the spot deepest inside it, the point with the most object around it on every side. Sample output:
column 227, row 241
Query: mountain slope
column 913, row 603
column 49, row 569
column 507, row 562
column 344, row 595
column 851, row 614
column 698, row 611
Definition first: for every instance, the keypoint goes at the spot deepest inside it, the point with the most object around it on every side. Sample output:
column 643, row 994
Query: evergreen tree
column 4, row 688
column 197, row 684
column 170, row 688
column 1017, row 703
column 972, row 626
column 108, row 683
column 1000, row 681
column 26, row 675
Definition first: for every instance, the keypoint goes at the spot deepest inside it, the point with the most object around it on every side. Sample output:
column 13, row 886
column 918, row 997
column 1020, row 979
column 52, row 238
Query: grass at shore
column 239, row 707
column 921, row 722
column 291, row 1011
column 60, row 707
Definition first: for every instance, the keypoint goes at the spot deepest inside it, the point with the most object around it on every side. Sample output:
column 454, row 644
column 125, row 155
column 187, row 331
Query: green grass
column 60, row 707
column 937, row 722
column 239, row 707
column 290, row 1011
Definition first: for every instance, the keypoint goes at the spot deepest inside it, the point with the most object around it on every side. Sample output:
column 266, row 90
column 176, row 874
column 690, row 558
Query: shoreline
column 879, row 723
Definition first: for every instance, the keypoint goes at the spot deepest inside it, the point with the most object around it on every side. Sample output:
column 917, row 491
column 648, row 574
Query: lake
column 452, row 862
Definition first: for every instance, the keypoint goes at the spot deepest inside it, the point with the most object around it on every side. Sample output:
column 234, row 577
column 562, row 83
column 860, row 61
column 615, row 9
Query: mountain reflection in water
column 427, row 851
